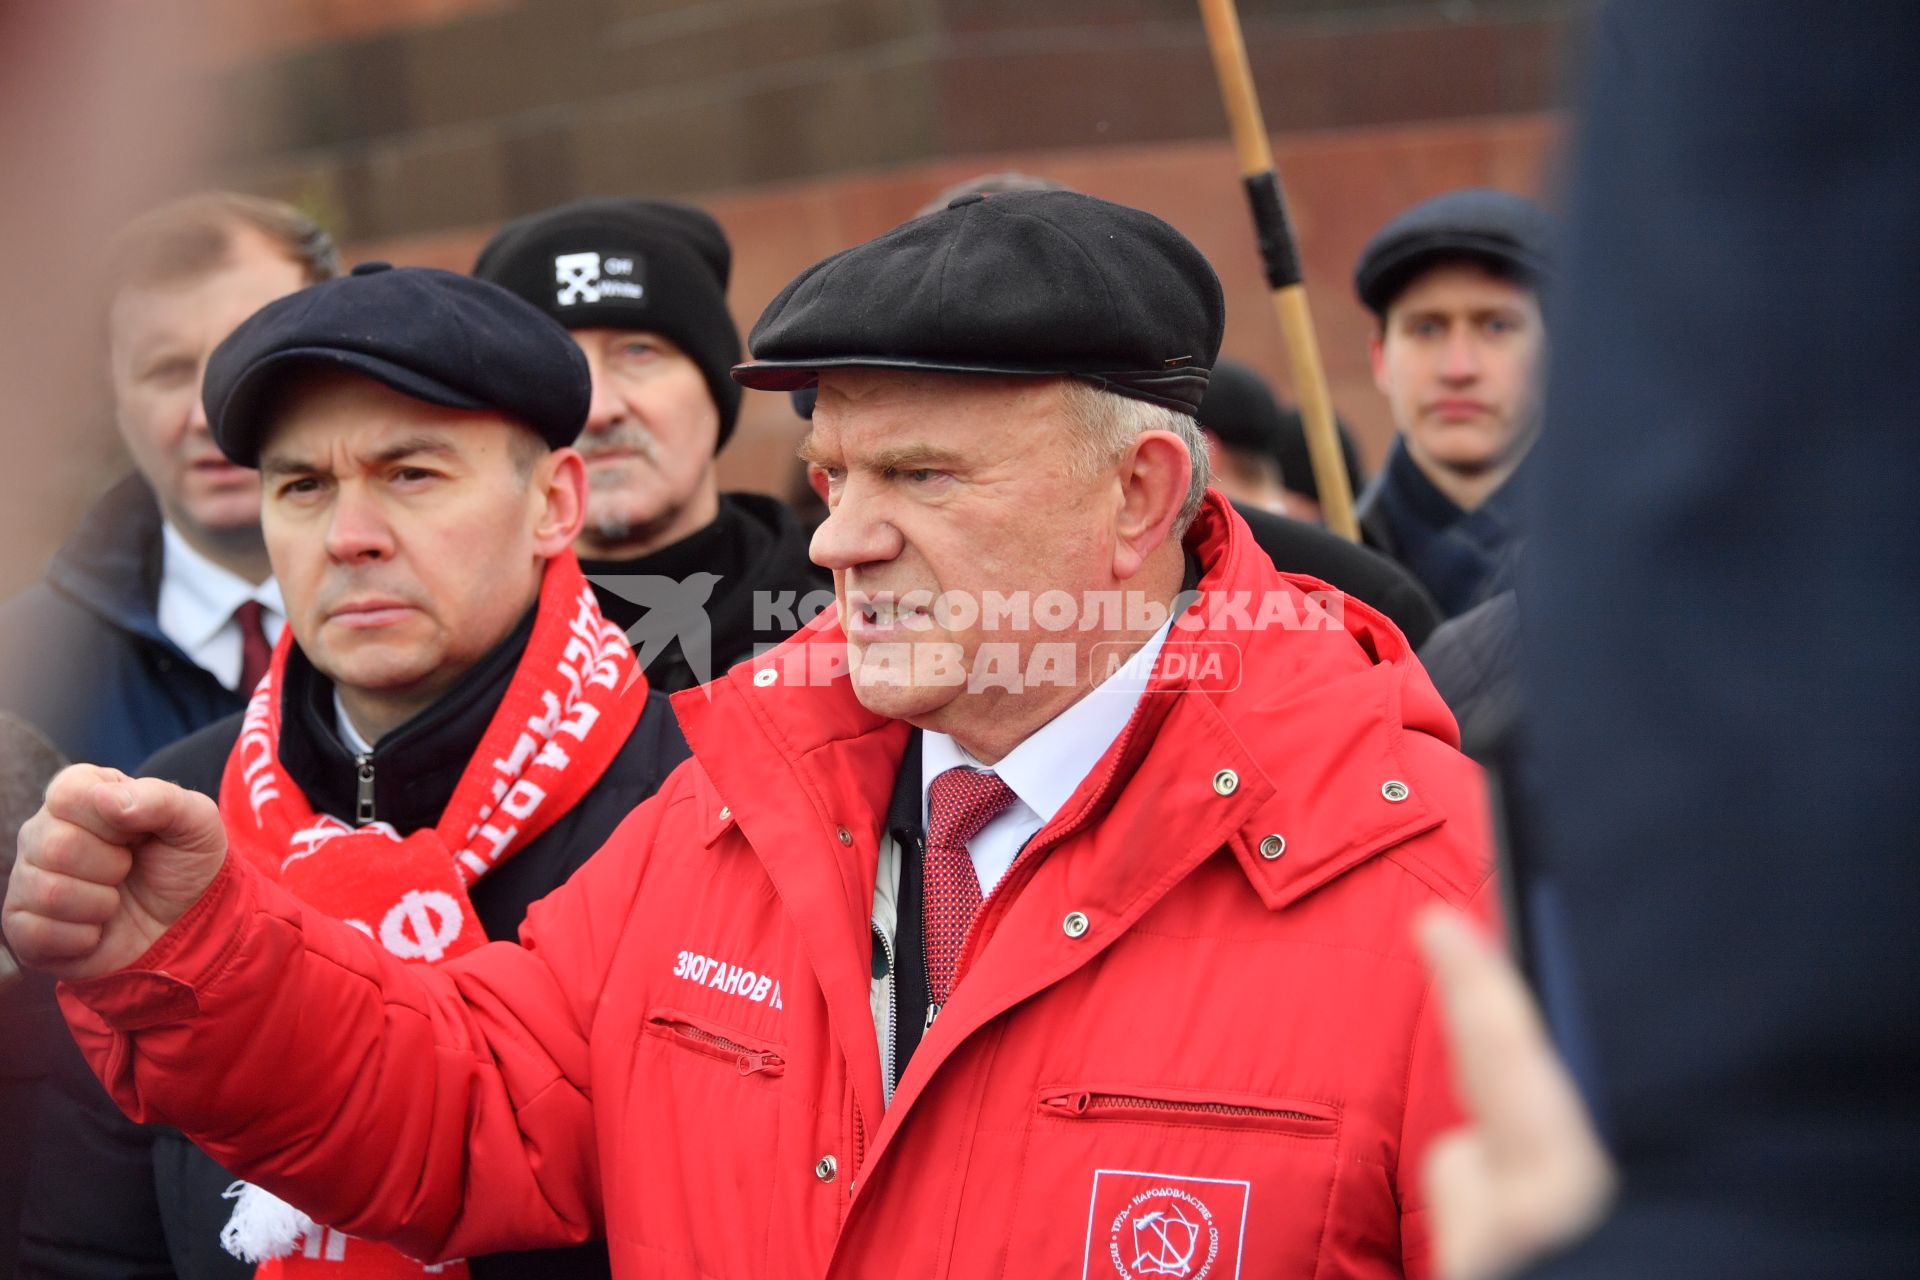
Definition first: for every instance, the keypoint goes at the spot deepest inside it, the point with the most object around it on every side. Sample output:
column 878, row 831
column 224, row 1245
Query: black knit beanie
column 654, row 265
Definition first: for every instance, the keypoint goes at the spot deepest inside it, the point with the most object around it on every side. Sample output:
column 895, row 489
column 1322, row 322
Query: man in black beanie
column 697, row 578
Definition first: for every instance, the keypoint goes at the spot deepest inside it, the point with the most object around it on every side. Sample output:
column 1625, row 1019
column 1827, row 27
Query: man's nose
column 1460, row 362
column 197, row 411
column 605, row 410
column 856, row 532
column 357, row 529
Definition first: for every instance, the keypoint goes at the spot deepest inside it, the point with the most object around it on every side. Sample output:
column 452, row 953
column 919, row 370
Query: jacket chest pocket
column 695, row 1174
column 1134, row 1181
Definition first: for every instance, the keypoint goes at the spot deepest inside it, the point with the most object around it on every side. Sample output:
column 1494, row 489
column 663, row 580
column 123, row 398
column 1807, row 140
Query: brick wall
column 413, row 117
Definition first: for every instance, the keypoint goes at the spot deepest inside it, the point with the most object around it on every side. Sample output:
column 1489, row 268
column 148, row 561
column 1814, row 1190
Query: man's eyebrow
column 911, row 456
column 807, row 452
column 283, row 464
column 900, row 457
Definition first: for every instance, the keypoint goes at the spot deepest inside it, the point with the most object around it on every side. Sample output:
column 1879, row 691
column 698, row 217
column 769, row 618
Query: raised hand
column 105, row 867
column 1527, row 1175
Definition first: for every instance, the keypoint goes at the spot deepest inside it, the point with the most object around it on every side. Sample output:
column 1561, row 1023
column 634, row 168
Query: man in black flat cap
column 1454, row 284
column 1242, row 421
column 1045, row 908
column 448, row 727
column 698, row 577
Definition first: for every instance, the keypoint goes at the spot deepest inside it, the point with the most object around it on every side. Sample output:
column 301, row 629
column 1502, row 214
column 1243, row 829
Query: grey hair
column 1106, row 422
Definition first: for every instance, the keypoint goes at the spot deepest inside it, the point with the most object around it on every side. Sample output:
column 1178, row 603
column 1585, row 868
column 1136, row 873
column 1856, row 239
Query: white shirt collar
column 1053, row 760
column 197, row 600
column 350, row 737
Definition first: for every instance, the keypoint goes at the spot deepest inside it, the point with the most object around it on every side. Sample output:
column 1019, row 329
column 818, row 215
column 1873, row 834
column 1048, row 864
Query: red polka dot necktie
column 959, row 803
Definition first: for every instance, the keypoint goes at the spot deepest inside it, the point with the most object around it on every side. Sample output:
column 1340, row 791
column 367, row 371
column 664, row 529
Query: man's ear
column 1377, row 357
column 1155, row 474
column 559, row 482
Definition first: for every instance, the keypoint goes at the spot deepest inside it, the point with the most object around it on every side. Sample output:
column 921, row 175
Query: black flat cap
column 628, row 263
column 434, row 335
column 1030, row 282
column 1475, row 222
column 1241, row 411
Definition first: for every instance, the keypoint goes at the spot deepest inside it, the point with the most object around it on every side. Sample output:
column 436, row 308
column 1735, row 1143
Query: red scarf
column 573, row 700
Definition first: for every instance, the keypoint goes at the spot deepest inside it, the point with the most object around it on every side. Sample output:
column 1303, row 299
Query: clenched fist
column 105, row 866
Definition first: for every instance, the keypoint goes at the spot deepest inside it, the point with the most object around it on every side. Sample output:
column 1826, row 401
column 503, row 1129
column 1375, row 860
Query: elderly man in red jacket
column 1043, row 911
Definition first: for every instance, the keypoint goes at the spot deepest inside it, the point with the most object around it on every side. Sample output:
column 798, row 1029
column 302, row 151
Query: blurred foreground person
column 1720, row 579
column 1454, row 285
column 158, row 615
column 699, row 578
column 1047, row 968
column 446, row 732
column 31, row 1032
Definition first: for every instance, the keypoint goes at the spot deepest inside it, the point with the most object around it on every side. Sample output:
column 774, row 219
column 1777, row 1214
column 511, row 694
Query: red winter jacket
column 1232, row 1071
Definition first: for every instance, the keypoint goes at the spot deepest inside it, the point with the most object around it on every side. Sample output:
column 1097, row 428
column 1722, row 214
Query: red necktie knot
column 959, row 803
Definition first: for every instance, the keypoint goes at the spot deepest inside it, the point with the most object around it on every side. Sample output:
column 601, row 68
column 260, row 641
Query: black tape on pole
column 1277, row 248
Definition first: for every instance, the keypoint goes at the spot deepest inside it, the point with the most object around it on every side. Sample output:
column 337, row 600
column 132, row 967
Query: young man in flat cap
column 699, row 578
column 447, row 729
column 1454, row 283
column 1025, row 915
column 156, row 617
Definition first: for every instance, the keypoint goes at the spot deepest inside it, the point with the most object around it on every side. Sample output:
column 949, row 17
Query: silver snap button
column 765, row 676
column 846, row 837
column 1226, row 782
column 1395, row 792
column 826, row 1168
column 1273, row 846
column 725, row 813
column 1075, row 924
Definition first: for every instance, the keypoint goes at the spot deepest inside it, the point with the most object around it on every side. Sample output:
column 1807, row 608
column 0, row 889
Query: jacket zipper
column 893, row 1015
column 363, row 810
column 1092, row 1105
column 747, row 1059
column 859, row 1149
column 926, row 974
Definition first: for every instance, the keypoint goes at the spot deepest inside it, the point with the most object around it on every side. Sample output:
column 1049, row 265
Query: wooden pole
column 1282, row 260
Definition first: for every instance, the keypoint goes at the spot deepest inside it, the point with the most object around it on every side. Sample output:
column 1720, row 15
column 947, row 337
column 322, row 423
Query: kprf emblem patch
column 1165, row 1226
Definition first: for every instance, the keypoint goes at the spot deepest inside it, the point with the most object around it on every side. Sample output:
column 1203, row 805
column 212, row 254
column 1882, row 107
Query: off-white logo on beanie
column 589, row 277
